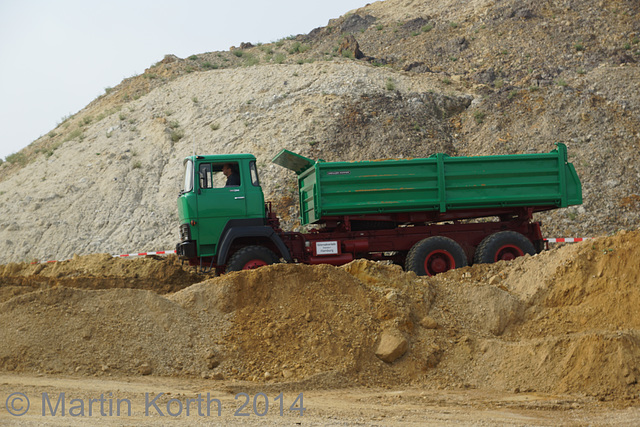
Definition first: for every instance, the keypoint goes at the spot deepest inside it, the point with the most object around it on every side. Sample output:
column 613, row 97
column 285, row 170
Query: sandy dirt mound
column 295, row 321
column 64, row 330
column 100, row 271
column 561, row 321
column 280, row 322
column 599, row 287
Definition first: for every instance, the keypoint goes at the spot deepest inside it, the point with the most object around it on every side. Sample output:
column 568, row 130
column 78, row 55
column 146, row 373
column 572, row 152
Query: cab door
column 218, row 203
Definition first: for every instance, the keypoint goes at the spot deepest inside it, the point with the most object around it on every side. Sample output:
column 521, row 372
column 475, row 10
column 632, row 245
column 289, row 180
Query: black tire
column 251, row 257
column 503, row 246
column 435, row 255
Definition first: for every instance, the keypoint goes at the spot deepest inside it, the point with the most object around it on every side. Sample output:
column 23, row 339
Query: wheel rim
column 254, row 263
column 507, row 253
column 439, row 261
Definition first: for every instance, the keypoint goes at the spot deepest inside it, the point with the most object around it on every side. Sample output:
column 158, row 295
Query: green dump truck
column 429, row 215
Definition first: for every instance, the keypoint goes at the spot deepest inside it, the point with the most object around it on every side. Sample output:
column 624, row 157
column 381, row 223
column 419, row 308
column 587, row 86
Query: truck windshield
column 188, row 176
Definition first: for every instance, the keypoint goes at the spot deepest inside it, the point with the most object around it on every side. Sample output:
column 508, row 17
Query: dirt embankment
column 101, row 271
column 563, row 321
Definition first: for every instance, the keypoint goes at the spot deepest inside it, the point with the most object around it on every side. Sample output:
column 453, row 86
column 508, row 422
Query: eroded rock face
column 105, row 180
column 350, row 47
column 114, row 191
column 357, row 23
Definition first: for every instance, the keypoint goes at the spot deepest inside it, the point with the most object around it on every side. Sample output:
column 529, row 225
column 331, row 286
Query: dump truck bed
column 437, row 183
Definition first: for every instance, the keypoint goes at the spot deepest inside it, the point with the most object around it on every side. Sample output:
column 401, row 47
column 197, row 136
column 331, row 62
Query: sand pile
column 599, row 286
column 280, row 322
column 295, row 321
column 561, row 321
column 64, row 330
column 100, row 271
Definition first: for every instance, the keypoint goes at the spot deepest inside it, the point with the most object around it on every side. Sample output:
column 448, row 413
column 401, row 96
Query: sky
column 56, row 56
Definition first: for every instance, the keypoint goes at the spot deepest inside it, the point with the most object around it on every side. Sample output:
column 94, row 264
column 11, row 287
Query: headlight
column 185, row 233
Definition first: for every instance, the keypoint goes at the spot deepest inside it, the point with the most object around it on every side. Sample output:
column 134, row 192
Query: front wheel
column 435, row 255
column 503, row 246
column 251, row 257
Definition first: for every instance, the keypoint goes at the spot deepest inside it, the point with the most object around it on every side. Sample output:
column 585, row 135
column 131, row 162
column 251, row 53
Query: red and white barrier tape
column 146, row 253
column 169, row 252
column 568, row 239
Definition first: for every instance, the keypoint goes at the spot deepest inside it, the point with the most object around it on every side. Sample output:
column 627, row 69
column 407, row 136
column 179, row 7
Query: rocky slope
column 466, row 78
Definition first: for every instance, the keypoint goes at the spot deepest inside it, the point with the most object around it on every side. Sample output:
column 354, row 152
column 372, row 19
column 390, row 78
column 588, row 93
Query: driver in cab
column 231, row 172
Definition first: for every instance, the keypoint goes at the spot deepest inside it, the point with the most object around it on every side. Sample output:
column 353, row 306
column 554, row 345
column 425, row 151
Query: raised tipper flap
column 293, row 161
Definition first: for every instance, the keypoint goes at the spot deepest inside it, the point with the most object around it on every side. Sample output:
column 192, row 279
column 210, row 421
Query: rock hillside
column 461, row 77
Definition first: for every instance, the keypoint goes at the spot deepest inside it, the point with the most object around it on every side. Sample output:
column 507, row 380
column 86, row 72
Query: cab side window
column 219, row 175
column 205, row 176
column 254, row 174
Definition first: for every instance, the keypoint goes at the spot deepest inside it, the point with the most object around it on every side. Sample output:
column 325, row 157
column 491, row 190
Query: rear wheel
column 503, row 246
column 251, row 257
column 435, row 255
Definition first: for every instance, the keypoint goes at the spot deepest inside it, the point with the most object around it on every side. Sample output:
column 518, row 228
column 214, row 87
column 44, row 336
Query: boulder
column 393, row 345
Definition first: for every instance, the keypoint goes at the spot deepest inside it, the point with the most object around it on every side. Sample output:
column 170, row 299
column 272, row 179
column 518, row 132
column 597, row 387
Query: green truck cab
column 215, row 209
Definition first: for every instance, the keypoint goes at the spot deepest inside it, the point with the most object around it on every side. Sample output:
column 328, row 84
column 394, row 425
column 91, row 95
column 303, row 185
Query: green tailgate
column 438, row 183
